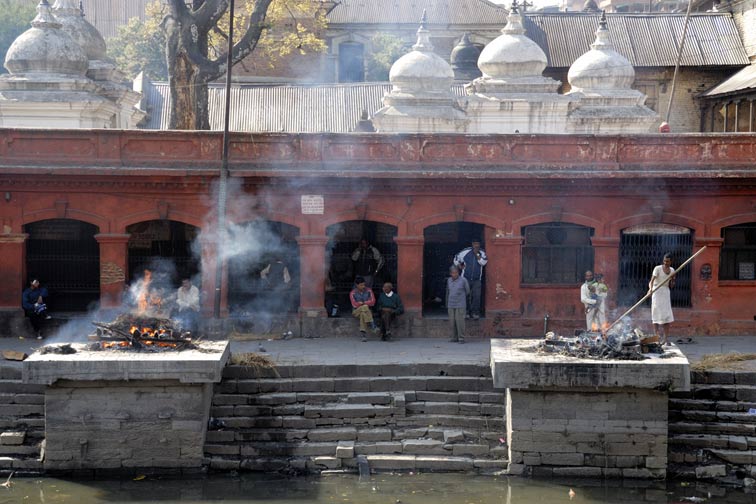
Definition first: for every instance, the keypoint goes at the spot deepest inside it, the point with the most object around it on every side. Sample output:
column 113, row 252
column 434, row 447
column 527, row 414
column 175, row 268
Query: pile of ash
column 630, row 345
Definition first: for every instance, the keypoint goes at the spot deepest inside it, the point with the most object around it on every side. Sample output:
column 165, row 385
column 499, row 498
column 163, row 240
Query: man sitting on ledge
column 362, row 300
column 389, row 307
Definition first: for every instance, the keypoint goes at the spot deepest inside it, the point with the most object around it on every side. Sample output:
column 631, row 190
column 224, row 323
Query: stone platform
column 117, row 409
column 569, row 416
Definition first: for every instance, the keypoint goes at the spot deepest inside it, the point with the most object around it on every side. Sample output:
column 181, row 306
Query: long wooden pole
column 650, row 292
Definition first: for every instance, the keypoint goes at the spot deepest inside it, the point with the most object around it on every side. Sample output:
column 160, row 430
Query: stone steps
column 22, row 426
column 430, row 417
column 711, row 433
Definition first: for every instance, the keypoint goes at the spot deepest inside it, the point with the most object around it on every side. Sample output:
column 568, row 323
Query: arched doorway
column 442, row 243
column 343, row 240
column 642, row 247
column 165, row 248
column 264, row 254
column 64, row 255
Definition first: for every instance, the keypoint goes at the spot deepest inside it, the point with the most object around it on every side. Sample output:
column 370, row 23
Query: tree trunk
column 187, row 81
column 189, row 68
column 189, row 109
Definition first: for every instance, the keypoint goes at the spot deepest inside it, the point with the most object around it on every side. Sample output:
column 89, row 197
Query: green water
column 379, row 489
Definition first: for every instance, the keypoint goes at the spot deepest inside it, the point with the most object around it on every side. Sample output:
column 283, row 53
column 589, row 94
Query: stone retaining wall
column 120, row 425
column 593, row 434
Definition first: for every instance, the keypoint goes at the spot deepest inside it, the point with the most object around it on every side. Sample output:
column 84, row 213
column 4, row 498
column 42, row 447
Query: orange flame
column 594, row 327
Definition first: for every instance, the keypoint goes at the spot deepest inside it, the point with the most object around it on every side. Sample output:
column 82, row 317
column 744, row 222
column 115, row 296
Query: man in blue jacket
column 470, row 261
column 33, row 302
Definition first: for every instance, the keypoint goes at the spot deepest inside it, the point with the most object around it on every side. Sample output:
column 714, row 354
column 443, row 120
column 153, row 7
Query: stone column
column 13, row 268
column 705, row 317
column 503, row 277
column 207, row 290
column 312, row 275
column 113, row 268
column 409, row 274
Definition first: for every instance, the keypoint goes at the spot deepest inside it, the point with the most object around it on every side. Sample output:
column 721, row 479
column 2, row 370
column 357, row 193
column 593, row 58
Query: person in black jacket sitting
column 389, row 307
column 33, row 302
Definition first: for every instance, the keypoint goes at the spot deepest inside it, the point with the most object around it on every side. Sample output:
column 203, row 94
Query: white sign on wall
column 313, row 204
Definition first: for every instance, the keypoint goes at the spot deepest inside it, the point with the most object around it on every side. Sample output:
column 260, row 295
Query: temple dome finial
column 421, row 69
column 70, row 14
column 601, row 68
column 45, row 48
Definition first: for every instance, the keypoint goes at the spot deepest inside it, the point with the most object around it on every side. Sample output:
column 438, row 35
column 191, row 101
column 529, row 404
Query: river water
column 378, row 489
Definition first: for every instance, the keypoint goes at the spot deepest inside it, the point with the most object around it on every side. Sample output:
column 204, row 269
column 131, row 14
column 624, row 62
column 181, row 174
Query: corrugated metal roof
column 455, row 12
column 290, row 109
column 743, row 80
column 108, row 15
column 647, row 40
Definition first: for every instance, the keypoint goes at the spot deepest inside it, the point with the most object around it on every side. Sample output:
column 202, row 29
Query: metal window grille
column 556, row 253
column 738, row 255
column 640, row 253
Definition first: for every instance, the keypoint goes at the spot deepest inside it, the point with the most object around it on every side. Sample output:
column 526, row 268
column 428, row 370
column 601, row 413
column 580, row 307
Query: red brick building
column 85, row 209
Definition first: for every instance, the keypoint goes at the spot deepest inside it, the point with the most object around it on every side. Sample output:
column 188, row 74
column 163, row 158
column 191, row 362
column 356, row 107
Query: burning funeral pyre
column 623, row 344
column 134, row 332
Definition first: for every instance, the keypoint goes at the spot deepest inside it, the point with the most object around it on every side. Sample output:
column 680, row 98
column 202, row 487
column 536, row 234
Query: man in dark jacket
column 470, row 262
column 33, row 302
column 367, row 262
column 389, row 306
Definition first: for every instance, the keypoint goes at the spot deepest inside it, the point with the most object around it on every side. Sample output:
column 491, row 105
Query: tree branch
column 211, row 12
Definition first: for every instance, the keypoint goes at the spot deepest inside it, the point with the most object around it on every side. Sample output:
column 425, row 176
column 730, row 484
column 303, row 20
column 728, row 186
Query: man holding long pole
column 662, row 279
column 653, row 287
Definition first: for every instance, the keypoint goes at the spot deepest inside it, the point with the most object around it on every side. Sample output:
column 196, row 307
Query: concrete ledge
column 515, row 366
column 187, row 366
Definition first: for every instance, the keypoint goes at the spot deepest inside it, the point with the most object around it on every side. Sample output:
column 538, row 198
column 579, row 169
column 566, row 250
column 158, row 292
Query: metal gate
column 64, row 255
column 641, row 249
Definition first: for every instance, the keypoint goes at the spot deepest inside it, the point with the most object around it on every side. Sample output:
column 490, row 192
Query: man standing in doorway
column 457, row 292
column 470, row 262
column 367, row 262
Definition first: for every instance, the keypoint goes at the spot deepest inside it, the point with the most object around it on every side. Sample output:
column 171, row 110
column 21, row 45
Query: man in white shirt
column 590, row 300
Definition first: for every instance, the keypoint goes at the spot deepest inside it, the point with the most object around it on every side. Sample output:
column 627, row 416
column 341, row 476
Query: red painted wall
column 116, row 178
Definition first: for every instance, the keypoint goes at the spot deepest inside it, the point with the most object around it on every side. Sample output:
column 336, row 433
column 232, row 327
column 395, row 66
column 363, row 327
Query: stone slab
column 187, row 366
column 515, row 365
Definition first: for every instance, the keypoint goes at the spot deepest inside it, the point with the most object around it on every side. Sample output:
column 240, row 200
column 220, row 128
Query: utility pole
column 223, row 179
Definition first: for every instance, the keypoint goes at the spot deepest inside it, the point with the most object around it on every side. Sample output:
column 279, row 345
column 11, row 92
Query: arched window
column 737, row 260
column 556, row 253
